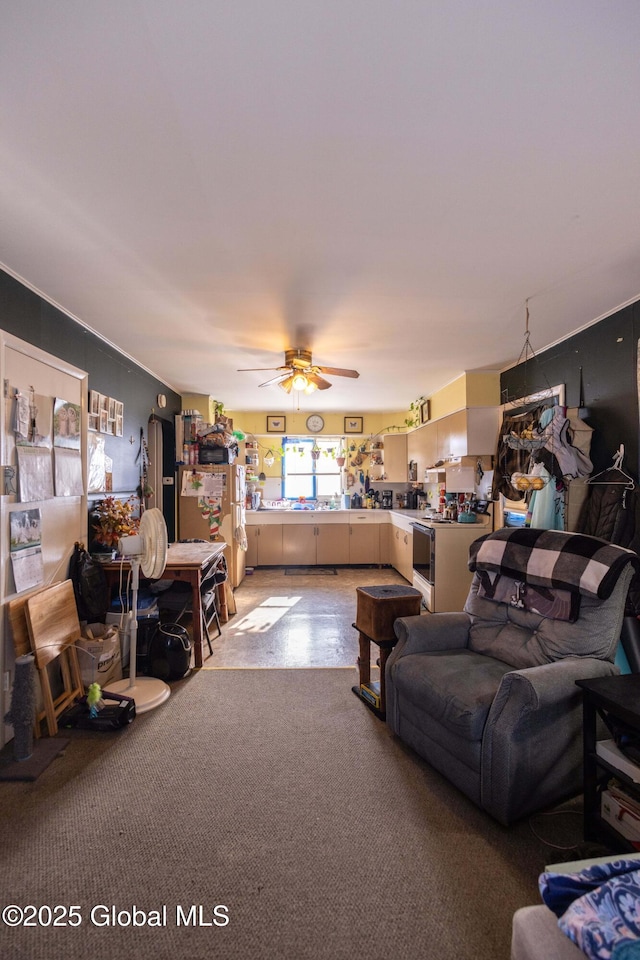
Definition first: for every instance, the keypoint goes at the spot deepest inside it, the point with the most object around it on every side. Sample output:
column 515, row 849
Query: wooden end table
column 377, row 610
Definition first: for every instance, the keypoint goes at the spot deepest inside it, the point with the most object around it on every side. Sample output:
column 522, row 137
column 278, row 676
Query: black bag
column 89, row 585
column 170, row 652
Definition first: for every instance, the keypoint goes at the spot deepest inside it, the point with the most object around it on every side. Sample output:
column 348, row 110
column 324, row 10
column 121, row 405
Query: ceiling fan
column 300, row 373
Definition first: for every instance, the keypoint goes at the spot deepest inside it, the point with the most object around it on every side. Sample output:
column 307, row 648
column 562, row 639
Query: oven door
column 424, row 552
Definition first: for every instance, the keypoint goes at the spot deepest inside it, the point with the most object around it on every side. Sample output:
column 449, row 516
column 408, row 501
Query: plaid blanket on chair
column 552, row 558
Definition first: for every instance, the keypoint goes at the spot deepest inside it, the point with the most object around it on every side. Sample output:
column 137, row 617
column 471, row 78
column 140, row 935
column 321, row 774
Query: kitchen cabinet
column 384, row 540
column 422, row 447
column 401, row 546
column 401, row 552
column 264, row 545
column 364, row 542
column 392, row 457
column 470, row 432
column 299, row 544
column 332, row 543
column 395, row 457
column 310, row 544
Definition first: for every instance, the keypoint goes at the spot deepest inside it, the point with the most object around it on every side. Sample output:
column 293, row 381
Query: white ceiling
column 208, row 182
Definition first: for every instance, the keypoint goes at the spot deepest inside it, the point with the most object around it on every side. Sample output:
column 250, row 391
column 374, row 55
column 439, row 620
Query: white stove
column 440, row 560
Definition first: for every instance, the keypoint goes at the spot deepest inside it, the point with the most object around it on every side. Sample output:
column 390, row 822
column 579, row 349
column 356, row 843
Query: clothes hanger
column 628, row 482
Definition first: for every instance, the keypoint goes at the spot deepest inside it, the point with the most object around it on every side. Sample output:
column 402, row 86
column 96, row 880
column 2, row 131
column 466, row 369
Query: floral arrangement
column 114, row 519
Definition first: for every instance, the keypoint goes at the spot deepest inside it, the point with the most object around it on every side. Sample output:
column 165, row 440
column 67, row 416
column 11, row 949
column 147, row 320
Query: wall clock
column 315, row 423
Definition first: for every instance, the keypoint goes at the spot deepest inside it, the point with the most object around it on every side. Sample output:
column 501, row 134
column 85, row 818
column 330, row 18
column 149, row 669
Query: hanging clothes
column 560, row 457
column 612, row 512
column 547, row 505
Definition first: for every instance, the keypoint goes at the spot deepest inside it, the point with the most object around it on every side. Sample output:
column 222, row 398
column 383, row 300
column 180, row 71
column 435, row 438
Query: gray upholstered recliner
column 488, row 696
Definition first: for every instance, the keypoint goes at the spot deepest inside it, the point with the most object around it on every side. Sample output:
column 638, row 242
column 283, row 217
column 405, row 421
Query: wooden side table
column 377, row 610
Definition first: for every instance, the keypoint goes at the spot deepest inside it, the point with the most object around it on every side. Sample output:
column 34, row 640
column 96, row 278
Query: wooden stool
column 377, row 610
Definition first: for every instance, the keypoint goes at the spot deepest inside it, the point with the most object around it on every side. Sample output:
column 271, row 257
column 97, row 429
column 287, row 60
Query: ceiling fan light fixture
column 299, row 381
column 286, row 384
column 310, row 387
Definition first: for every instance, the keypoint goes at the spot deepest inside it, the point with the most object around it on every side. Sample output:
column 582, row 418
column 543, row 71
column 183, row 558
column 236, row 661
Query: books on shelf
column 371, row 692
column 622, row 813
column 609, row 752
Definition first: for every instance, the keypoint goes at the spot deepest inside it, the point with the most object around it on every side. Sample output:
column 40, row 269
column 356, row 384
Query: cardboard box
column 99, row 655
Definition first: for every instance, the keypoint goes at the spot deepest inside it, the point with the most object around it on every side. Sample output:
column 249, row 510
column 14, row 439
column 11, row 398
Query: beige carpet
column 278, row 794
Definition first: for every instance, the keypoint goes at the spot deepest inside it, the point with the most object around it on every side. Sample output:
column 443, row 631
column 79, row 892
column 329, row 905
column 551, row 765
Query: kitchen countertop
column 343, row 516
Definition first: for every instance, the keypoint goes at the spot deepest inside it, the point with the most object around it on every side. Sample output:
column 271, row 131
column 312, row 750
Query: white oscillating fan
column 147, row 551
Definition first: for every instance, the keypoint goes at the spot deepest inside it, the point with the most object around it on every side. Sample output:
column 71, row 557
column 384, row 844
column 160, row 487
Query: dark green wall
column 27, row 316
column 607, row 353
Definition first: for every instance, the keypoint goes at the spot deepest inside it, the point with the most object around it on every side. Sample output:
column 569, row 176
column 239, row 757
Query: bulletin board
column 45, row 510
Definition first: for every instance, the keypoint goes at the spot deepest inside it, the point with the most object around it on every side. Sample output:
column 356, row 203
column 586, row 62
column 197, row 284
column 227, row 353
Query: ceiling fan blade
column 278, row 379
column 259, row 369
column 320, row 382
column 339, row 372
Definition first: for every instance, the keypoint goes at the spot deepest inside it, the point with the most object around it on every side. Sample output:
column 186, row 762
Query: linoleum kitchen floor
column 296, row 620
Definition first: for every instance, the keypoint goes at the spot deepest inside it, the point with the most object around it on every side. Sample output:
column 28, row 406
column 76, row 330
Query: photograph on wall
column 97, row 467
column 66, row 424
column 26, row 548
column 35, row 474
column 119, row 418
column 32, row 419
column 353, row 424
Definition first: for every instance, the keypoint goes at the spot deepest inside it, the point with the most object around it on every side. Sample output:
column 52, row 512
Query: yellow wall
column 254, row 423
column 483, row 389
column 468, row 390
column 201, row 402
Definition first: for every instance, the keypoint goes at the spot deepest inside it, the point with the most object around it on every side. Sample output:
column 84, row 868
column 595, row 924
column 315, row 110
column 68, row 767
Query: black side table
column 616, row 700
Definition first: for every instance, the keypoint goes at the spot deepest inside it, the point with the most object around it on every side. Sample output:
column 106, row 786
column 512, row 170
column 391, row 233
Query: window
column 305, row 476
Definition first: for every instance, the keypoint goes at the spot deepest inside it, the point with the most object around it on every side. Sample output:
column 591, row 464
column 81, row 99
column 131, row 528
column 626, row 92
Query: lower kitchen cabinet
column 401, row 552
column 298, row 544
column 264, row 545
column 324, row 543
column 364, row 543
column 306, row 543
column 332, row 543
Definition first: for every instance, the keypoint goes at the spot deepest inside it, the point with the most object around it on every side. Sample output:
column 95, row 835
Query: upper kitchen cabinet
column 395, row 457
column 422, row 447
column 389, row 458
column 470, row 432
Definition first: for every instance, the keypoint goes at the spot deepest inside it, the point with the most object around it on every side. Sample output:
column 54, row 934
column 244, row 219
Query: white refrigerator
column 220, row 517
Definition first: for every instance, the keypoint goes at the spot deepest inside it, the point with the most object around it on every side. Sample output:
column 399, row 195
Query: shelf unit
column 615, row 701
